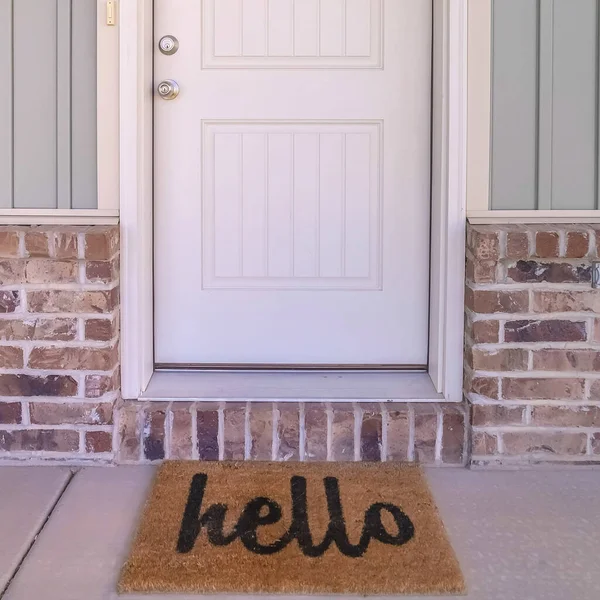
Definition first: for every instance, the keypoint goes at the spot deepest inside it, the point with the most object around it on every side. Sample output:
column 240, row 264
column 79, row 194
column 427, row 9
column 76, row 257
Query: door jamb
column 448, row 196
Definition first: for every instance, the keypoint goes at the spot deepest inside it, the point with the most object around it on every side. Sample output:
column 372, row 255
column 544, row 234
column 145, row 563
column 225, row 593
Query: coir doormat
column 325, row 528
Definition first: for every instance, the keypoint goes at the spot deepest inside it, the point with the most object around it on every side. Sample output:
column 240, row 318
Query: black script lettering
column 251, row 518
column 406, row 530
column 193, row 522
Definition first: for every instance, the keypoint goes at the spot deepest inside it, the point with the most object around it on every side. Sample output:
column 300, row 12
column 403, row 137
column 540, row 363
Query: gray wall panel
column 514, row 104
column 545, row 78
column 84, row 91
column 48, row 117
column 574, row 102
column 34, row 144
column 6, row 104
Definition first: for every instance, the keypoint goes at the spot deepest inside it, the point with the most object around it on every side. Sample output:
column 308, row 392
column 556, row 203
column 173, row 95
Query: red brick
column 235, row 432
column 425, row 432
column 578, row 244
column 371, row 436
column 101, row 243
column 483, row 243
column 453, row 436
column 595, row 390
column 484, row 444
column 545, row 331
column 496, row 415
column 207, row 423
column 9, row 301
column 342, row 434
column 82, row 358
column 38, row 440
column 570, row 301
column 97, row 442
column 10, row 413
column 28, row 385
column 542, row 272
column 288, row 431
column 517, row 245
column 130, row 431
column 12, row 272
column 566, row 360
column 547, row 244
column 481, row 271
column 9, row 244
column 544, row 442
column 596, row 443
column 65, row 244
column 315, row 425
column 181, row 431
column 40, row 270
column 153, row 435
column 101, row 330
column 38, row 329
column 11, row 357
column 597, row 331
column 101, row 271
column 398, row 432
column 490, row 301
column 484, row 386
column 511, row 359
column 98, row 385
column 36, row 244
column 543, row 389
column 72, row 301
column 261, row 431
column 485, row 332
column 566, row 416
column 53, row 413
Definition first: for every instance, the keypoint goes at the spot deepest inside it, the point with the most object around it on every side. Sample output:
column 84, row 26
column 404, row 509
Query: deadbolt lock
column 168, row 44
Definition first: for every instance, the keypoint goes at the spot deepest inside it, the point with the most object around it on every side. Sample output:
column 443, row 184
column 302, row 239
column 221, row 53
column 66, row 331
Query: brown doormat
column 324, row 528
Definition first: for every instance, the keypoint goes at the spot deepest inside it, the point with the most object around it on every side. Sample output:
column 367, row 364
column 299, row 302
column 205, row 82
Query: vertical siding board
column 83, row 104
column 598, row 104
column 514, row 99
column 546, row 102
column 574, row 105
column 34, row 104
column 63, row 103
column 6, row 104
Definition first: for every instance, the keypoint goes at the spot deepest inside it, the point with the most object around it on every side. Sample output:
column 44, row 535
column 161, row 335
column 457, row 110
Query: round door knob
column 168, row 89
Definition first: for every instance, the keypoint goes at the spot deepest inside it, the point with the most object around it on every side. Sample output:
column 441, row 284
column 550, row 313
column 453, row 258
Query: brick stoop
column 424, row 433
column 532, row 347
column 59, row 342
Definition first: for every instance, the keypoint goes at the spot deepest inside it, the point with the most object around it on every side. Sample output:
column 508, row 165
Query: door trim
column 448, row 196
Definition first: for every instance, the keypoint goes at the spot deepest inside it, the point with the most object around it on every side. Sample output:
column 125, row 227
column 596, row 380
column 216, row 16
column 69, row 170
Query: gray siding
column 48, row 105
column 545, row 78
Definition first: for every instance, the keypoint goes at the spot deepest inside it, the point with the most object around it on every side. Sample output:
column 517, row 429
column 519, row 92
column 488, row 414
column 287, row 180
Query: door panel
column 292, row 182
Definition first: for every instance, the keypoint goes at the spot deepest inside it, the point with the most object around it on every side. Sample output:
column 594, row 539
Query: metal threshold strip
column 250, row 367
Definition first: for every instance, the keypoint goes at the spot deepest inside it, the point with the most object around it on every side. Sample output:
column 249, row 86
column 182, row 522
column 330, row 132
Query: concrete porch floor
column 518, row 534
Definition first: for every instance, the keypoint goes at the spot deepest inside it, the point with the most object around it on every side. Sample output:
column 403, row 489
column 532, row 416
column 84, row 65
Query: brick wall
column 426, row 433
column 59, row 351
column 532, row 351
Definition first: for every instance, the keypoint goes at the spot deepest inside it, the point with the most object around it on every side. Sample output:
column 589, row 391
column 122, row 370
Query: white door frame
column 448, row 196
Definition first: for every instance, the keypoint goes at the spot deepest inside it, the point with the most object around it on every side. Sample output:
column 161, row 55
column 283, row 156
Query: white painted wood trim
column 449, row 189
column 499, row 217
column 135, row 103
column 479, row 99
column 54, row 216
column 107, row 111
column 448, row 197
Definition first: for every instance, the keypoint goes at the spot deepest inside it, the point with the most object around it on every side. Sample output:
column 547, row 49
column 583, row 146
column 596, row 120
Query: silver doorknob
column 168, row 89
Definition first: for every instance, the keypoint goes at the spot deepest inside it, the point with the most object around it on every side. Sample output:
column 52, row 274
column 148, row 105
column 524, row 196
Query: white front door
column 292, row 182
